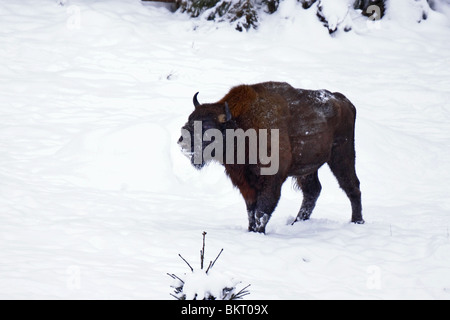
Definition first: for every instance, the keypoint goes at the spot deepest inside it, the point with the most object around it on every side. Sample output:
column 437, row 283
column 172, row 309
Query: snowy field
column 97, row 201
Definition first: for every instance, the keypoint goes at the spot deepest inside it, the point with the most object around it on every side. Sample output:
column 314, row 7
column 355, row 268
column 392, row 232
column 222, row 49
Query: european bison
column 311, row 128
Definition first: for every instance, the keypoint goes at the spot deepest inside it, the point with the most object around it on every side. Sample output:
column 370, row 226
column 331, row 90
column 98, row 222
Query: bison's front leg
column 261, row 195
column 261, row 220
column 266, row 203
column 251, row 207
column 257, row 219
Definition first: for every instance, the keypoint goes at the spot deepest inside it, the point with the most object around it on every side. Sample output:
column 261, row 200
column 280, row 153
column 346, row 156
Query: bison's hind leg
column 311, row 188
column 342, row 164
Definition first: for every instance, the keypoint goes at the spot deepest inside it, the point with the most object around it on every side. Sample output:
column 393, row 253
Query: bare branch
column 192, row 269
column 174, row 276
column 243, row 292
column 212, row 264
column 202, row 252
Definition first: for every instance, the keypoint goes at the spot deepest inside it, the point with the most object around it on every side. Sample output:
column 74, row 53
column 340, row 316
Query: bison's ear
column 222, row 118
column 227, row 112
column 196, row 103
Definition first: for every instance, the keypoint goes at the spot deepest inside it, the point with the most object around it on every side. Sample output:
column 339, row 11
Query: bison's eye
column 206, row 125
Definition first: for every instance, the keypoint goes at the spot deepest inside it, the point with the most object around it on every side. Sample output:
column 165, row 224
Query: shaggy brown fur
column 315, row 127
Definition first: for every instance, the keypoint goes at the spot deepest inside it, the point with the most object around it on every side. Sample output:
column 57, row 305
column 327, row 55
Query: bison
column 311, row 127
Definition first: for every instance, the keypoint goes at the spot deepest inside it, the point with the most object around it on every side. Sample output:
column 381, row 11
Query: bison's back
column 309, row 121
column 316, row 120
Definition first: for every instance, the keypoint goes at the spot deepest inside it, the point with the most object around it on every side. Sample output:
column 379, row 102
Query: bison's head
column 204, row 131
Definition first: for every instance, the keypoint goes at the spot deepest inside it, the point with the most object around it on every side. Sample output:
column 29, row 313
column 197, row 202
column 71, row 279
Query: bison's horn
column 196, row 103
column 227, row 112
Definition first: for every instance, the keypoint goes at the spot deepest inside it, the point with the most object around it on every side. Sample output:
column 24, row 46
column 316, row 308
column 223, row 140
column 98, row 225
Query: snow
column 97, row 201
column 407, row 10
column 336, row 12
column 199, row 285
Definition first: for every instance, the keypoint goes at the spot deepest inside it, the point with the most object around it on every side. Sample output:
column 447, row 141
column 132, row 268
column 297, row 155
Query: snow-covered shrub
column 407, row 11
column 196, row 7
column 272, row 5
column 334, row 14
column 370, row 7
column 206, row 284
column 306, row 4
column 199, row 285
column 242, row 14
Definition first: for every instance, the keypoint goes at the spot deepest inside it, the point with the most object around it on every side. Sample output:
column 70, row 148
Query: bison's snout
column 185, row 145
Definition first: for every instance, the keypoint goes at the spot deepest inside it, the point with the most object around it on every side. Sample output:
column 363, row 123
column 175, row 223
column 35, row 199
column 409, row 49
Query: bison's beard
column 196, row 164
column 198, row 157
column 196, row 152
column 193, row 158
column 197, row 160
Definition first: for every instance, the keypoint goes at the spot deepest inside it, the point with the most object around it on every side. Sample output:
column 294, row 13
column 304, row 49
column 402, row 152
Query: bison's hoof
column 300, row 218
column 260, row 230
column 256, row 229
column 359, row 221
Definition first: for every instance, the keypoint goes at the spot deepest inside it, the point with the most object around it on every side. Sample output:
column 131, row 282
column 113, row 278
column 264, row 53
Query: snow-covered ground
column 97, row 201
